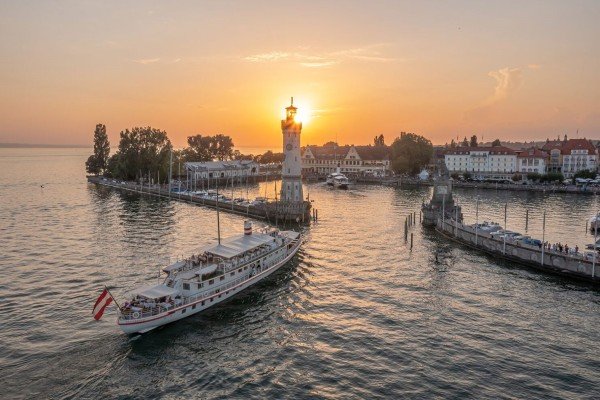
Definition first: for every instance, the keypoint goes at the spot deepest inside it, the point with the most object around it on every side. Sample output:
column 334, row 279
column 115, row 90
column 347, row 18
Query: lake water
column 355, row 315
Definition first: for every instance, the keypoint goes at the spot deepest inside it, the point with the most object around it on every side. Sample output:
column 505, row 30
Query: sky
column 514, row 70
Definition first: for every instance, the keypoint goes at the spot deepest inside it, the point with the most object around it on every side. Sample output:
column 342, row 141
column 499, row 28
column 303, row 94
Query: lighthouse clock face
column 288, row 147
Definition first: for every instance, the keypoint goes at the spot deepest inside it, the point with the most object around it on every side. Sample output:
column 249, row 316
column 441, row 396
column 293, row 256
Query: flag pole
column 113, row 297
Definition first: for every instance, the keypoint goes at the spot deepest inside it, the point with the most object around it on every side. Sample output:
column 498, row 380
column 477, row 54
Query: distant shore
column 43, row 146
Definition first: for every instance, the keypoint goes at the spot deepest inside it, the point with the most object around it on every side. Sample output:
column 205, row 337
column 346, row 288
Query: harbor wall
column 576, row 264
column 273, row 211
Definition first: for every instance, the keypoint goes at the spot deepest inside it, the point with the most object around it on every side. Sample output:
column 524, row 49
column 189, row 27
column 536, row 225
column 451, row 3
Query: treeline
column 145, row 152
column 410, row 153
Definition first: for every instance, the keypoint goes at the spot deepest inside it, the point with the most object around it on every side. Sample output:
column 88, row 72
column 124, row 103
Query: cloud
column 318, row 64
column 534, row 66
column 145, row 61
column 508, row 80
column 303, row 57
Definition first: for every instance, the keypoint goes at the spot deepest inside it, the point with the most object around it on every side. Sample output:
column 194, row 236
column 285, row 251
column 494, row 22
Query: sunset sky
column 514, row 70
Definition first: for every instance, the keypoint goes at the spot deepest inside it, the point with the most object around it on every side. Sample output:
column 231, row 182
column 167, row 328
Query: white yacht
column 337, row 180
column 595, row 222
column 206, row 278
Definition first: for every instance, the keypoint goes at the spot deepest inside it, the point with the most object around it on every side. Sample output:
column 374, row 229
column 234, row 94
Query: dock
column 273, row 212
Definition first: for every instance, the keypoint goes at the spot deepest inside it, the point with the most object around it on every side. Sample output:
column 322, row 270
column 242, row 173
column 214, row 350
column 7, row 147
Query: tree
column 552, row 177
column 98, row 162
column 533, row 176
column 199, row 148
column 496, row 143
column 410, row 153
column 142, row 152
column 452, row 144
column 379, row 140
column 473, row 142
column 237, row 155
column 465, row 142
column 222, row 147
column 269, row 157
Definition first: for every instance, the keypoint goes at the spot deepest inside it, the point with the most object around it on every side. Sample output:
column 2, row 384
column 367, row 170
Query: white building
column 578, row 155
column 291, row 171
column 222, row 169
column 362, row 160
column 489, row 163
column 532, row 160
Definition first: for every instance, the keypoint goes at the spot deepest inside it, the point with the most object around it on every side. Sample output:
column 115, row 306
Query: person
column 576, row 249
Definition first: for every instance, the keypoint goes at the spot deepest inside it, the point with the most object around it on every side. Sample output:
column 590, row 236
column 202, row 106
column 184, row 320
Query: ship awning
column 155, row 292
column 240, row 244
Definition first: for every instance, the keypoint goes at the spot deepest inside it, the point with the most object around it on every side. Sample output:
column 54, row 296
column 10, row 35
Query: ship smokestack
column 247, row 228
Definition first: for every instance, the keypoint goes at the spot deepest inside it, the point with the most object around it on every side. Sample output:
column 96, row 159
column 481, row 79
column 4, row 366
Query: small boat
column 593, row 246
column 337, row 180
column 595, row 222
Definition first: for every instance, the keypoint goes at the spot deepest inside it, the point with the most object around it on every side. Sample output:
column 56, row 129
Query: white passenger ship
column 208, row 278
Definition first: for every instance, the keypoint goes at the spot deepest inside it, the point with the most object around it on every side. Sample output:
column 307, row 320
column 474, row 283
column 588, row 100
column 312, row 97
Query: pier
column 273, row 212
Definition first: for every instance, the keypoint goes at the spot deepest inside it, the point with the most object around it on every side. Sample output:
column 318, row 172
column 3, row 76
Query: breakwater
column 577, row 265
column 275, row 212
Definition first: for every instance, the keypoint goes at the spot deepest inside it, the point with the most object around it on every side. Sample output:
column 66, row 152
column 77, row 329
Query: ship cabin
column 230, row 262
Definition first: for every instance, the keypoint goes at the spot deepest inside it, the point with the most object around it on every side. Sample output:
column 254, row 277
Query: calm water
column 356, row 315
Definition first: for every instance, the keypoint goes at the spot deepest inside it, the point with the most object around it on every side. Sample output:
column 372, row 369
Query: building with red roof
column 360, row 160
column 570, row 156
column 532, row 160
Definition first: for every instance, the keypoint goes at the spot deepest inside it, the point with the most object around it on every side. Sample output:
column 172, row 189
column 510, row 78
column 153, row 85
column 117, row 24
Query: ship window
column 202, row 302
column 194, row 307
column 245, row 268
column 183, row 311
column 200, row 285
column 211, row 299
column 221, row 278
column 186, row 286
column 211, row 281
column 232, row 274
column 239, row 270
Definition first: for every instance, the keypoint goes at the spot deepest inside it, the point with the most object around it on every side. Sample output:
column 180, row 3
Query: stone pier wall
column 576, row 265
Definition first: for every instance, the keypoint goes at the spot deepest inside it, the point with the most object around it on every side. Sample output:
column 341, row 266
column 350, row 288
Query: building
column 532, row 160
column 291, row 171
column 357, row 160
column 483, row 163
column 570, row 156
column 222, row 169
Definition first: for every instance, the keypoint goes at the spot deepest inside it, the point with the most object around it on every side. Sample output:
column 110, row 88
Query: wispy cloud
column 306, row 58
column 534, row 66
column 145, row 61
column 508, row 80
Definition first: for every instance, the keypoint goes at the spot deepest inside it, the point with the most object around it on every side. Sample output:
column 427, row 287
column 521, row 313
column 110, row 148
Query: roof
column 533, row 152
column 237, row 245
column 335, row 152
column 154, row 292
column 492, row 150
column 566, row 146
column 373, row 152
column 220, row 165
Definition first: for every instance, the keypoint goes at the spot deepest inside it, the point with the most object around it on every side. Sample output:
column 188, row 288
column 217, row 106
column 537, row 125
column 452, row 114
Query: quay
column 273, row 212
column 575, row 265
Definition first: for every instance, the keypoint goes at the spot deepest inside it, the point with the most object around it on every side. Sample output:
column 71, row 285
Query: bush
column 517, row 177
column 534, row 176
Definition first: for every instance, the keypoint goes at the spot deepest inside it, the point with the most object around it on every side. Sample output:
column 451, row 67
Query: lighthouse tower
column 291, row 187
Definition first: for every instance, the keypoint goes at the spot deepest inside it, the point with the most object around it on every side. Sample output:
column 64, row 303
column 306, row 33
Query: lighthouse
column 291, row 174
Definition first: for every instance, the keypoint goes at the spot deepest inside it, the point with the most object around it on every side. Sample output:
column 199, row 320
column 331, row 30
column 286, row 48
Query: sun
column 304, row 112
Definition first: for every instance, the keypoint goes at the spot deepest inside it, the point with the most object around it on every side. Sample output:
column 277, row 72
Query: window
column 211, row 281
column 194, row 307
column 183, row 311
column 186, row 286
column 202, row 302
column 232, row 274
column 221, row 278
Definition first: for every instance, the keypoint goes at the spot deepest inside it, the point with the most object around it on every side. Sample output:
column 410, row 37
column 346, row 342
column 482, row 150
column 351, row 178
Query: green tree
column 222, row 147
column 269, row 157
column 379, row 140
column 585, row 174
column 142, row 152
column 552, row 177
column 98, row 162
column 473, row 142
column 465, row 142
column 199, row 148
column 410, row 153
column 452, row 144
column 496, row 143
column 533, row 176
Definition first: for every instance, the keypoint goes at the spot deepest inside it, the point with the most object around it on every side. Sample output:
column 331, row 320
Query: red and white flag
column 101, row 304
